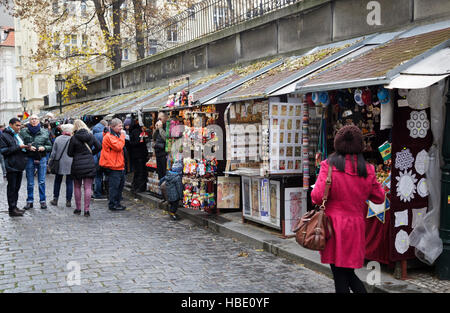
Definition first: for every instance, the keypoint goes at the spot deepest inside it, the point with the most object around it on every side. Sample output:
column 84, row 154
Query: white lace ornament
column 422, row 162
column 422, row 188
column 406, row 185
column 404, row 160
column 418, row 124
column 402, row 242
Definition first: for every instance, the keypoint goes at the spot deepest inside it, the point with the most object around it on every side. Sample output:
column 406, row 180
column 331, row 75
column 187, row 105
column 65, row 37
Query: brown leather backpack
column 314, row 228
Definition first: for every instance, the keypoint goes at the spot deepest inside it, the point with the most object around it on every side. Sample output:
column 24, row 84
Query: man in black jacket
column 14, row 152
column 138, row 156
column 159, row 138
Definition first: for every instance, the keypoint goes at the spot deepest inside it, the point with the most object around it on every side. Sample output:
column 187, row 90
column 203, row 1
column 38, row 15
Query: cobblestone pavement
column 137, row 250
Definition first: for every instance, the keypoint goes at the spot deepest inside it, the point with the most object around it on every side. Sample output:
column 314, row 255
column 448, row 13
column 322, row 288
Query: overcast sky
column 5, row 18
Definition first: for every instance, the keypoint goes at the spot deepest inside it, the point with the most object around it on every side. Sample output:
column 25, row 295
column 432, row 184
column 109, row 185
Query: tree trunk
column 139, row 25
column 117, row 42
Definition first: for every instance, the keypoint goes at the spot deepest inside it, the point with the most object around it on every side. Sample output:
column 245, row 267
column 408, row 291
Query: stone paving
column 137, row 250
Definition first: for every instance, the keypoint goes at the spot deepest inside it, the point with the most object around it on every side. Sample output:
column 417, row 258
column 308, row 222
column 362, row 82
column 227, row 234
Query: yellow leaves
column 243, row 254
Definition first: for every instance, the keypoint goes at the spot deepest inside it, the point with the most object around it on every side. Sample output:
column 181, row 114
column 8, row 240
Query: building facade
column 10, row 104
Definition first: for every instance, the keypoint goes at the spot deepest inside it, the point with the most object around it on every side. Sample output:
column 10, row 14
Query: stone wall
column 296, row 28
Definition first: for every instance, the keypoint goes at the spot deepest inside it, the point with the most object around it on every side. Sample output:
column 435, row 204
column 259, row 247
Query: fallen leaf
column 243, row 254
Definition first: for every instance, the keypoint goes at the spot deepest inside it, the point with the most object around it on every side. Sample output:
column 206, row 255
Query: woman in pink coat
column 353, row 182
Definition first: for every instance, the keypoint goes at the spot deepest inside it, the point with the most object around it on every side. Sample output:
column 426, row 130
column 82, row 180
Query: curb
column 285, row 248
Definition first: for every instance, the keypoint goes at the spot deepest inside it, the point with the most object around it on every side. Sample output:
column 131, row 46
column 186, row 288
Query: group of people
column 94, row 161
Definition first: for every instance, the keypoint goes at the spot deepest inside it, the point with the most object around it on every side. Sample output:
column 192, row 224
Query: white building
column 10, row 104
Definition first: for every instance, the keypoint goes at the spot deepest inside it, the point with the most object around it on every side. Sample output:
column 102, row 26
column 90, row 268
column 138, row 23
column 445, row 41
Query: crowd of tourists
column 91, row 161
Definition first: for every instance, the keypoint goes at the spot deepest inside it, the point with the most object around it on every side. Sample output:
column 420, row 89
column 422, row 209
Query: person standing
column 138, row 156
column 59, row 152
column 174, row 188
column 14, row 151
column 159, row 139
column 353, row 182
column 83, row 169
column 2, row 160
column 97, row 131
column 113, row 161
column 39, row 139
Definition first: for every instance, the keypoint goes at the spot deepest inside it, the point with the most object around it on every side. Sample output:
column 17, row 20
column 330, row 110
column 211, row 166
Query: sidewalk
column 230, row 224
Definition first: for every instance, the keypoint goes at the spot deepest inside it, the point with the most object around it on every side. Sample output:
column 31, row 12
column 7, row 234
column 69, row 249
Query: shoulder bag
column 314, row 228
column 54, row 164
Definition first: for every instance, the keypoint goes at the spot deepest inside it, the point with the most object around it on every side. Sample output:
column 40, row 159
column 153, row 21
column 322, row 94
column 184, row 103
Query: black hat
column 349, row 140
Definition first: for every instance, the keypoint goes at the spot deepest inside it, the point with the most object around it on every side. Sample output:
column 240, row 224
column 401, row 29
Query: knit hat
column 349, row 140
column 127, row 122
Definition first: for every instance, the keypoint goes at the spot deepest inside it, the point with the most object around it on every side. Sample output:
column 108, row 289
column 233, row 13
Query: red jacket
column 112, row 152
column 347, row 209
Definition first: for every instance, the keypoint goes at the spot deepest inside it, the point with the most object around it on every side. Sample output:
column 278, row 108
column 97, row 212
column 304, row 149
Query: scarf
column 17, row 138
column 34, row 129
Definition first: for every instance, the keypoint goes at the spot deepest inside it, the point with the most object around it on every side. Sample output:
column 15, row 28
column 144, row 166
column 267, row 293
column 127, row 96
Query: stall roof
column 380, row 64
column 292, row 69
column 424, row 73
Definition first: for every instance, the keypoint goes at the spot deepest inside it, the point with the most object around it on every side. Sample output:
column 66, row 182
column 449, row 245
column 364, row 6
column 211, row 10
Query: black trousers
column 139, row 183
column 161, row 166
column 12, row 190
column 345, row 280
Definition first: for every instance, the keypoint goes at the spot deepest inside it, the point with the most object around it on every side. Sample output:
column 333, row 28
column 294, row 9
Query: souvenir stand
column 266, row 147
column 397, row 138
column 192, row 139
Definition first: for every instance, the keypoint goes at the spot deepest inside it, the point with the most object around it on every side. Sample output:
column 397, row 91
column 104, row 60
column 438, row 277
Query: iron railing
column 201, row 19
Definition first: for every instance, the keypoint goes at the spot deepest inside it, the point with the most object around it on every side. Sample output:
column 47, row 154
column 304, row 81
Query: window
column 172, row 1
column 84, row 40
column 74, row 40
column 56, row 50
column 152, row 46
column 67, row 50
column 55, row 6
column 123, row 10
column 172, row 35
column 220, row 16
column 19, row 54
column 66, row 5
column 125, row 54
column 83, row 8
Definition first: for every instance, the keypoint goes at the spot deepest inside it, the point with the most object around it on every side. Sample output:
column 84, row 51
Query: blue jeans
column 98, row 183
column 42, row 170
column 57, row 186
column 116, row 180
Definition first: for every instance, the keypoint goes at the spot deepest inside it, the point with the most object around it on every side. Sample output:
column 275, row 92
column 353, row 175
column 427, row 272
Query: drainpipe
column 443, row 262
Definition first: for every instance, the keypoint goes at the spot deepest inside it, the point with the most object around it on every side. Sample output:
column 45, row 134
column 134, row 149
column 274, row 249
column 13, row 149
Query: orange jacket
column 112, row 152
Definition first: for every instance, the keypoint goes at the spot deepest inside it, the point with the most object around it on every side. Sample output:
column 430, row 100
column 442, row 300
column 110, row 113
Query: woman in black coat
column 83, row 169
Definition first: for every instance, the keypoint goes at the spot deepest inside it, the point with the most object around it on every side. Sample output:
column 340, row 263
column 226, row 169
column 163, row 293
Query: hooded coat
column 41, row 138
column 346, row 207
column 97, row 131
column 83, row 163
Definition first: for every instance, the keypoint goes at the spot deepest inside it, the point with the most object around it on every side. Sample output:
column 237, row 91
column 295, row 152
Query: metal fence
column 201, row 19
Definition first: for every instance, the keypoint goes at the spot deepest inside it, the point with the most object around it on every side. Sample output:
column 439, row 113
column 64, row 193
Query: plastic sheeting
column 425, row 236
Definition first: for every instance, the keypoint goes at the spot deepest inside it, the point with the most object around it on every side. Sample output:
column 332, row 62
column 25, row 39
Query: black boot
column 15, row 212
column 54, row 202
column 28, row 206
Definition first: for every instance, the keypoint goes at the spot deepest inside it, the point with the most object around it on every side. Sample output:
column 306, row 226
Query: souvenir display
column 285, row 138
column 200, row 167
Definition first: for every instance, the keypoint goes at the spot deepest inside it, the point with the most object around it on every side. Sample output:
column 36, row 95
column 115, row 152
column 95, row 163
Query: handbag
column 314, row 227
column 54, row 164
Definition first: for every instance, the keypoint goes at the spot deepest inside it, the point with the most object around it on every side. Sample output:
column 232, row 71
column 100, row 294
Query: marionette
column 201, row 169
column 170, row 101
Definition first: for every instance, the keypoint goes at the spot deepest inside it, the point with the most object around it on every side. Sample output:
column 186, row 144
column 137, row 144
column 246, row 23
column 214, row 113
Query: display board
column 295, row 206
column 285, row 137
column 228, row 189
column 261, row 200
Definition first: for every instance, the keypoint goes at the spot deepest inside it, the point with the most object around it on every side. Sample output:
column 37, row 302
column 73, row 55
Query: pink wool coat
column 347, row 209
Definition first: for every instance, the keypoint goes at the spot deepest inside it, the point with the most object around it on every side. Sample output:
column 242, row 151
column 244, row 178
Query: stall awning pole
column 443, row 262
